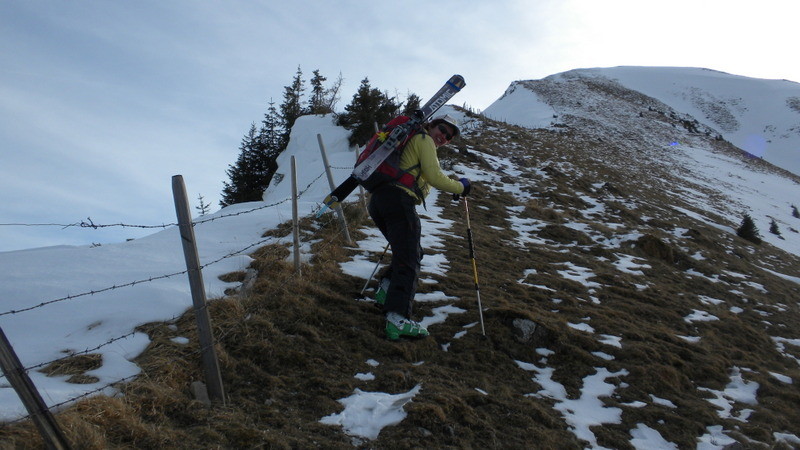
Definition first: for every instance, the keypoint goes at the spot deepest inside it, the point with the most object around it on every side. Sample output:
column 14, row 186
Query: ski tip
column 329, row 202
column 323, row 209
column 457, row 81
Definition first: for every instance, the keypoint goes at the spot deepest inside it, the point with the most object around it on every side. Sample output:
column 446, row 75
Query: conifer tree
column 203, row 208
column 369, row 105
column 247, row 176
column 270, row 141
column 413, row 103
column 773, row 227
column 317, row 103
column 795, row 212
column 748, row 230
column 292, row 106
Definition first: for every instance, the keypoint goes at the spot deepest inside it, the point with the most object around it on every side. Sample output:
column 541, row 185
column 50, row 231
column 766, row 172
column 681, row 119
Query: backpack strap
column 402, row 172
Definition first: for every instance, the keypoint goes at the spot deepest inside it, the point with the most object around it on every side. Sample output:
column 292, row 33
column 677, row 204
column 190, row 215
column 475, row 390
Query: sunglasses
column 445, row 132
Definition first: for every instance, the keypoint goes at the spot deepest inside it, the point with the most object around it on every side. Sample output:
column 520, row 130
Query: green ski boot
column 398, row 326
column 383, row 289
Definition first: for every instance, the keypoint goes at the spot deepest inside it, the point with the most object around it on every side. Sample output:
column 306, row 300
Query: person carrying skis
column 392, row 207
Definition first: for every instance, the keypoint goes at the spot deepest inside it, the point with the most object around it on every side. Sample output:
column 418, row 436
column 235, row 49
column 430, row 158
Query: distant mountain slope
column 761, row 117
column 665, row 149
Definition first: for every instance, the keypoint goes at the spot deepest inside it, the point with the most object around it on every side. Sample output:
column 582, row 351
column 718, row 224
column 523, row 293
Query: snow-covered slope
column 762, row 117
column 657, row 136
column 568, row 207
column 58, row 301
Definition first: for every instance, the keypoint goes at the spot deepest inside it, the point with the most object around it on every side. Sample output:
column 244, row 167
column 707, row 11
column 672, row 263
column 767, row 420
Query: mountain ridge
column 762, row 117
column 621, row 308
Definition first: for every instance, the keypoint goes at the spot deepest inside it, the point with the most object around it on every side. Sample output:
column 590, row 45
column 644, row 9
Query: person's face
column 442, row 134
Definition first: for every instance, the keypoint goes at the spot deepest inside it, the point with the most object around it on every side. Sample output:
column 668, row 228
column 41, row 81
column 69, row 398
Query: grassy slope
column 291, row 347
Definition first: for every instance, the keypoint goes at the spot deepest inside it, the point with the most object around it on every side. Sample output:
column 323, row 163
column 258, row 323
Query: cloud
column 102, row 103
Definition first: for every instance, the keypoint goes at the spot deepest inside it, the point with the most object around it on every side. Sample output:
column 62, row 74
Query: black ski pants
column 395, row 214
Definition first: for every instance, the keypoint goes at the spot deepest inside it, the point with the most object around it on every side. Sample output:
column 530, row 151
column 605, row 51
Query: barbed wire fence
column 42, row 414
column 220, row 336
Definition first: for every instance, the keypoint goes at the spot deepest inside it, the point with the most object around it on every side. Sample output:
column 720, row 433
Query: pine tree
column 413, row 103
column 369, row 105
column 795, row 212
column 317, row 104
column 270, row 141
column 748, row 230
column 773, row 227
column 203, row 208
column 271, row 130
column 292, row 106
column 249, row 175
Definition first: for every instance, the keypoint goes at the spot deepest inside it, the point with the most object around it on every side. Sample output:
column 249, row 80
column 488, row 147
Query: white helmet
column 448, row 119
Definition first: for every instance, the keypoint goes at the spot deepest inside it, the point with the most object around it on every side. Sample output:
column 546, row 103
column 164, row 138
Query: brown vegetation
column 290, row 347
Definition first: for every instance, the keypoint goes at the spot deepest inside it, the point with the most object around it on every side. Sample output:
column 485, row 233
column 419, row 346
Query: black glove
column 467, row 187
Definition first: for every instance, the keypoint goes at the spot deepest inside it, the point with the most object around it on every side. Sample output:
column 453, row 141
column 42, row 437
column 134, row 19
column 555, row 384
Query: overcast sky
column 101, row 102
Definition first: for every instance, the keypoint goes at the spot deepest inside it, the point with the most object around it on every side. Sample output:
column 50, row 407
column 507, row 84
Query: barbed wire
column 82, row 352
column 238, row 252
column 224, row 333
column 161, row 277
column 89, row 223
column 93, row 292
column 73, row 399
column 218, row 340
column 303, row 191
column 221, row 336
column 88, row 393
column 39, row 225
column 111, row 341
column 224, row 216
column 132, row 283
column 299, row 194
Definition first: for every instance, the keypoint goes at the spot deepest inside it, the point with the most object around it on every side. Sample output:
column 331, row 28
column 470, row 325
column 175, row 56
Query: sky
column 101, row 103
column 105, row 321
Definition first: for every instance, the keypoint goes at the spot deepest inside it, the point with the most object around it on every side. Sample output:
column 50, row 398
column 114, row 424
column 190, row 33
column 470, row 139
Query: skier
column 392, row 207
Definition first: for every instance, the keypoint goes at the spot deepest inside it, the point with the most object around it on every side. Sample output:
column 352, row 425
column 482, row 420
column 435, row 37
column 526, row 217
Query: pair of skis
column 366, row 167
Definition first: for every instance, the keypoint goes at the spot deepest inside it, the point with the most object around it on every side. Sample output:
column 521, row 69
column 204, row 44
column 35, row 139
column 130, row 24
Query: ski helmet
column 449, row 120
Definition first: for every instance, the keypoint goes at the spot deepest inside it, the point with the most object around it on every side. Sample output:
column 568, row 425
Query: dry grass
column 290, row 347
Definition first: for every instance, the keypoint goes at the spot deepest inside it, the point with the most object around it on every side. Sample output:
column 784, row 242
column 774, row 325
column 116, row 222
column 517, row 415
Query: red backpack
column 389, row 171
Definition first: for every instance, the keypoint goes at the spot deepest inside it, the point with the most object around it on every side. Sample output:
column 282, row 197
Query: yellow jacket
column 420, row 159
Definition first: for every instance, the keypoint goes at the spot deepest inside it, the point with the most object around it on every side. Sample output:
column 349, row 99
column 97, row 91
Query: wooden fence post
column 339, row 211
column 208, row 353
column 37, row 408
column 295, row 218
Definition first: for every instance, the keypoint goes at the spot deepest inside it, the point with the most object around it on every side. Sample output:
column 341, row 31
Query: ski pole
column 374, row 270
column 474, row 265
